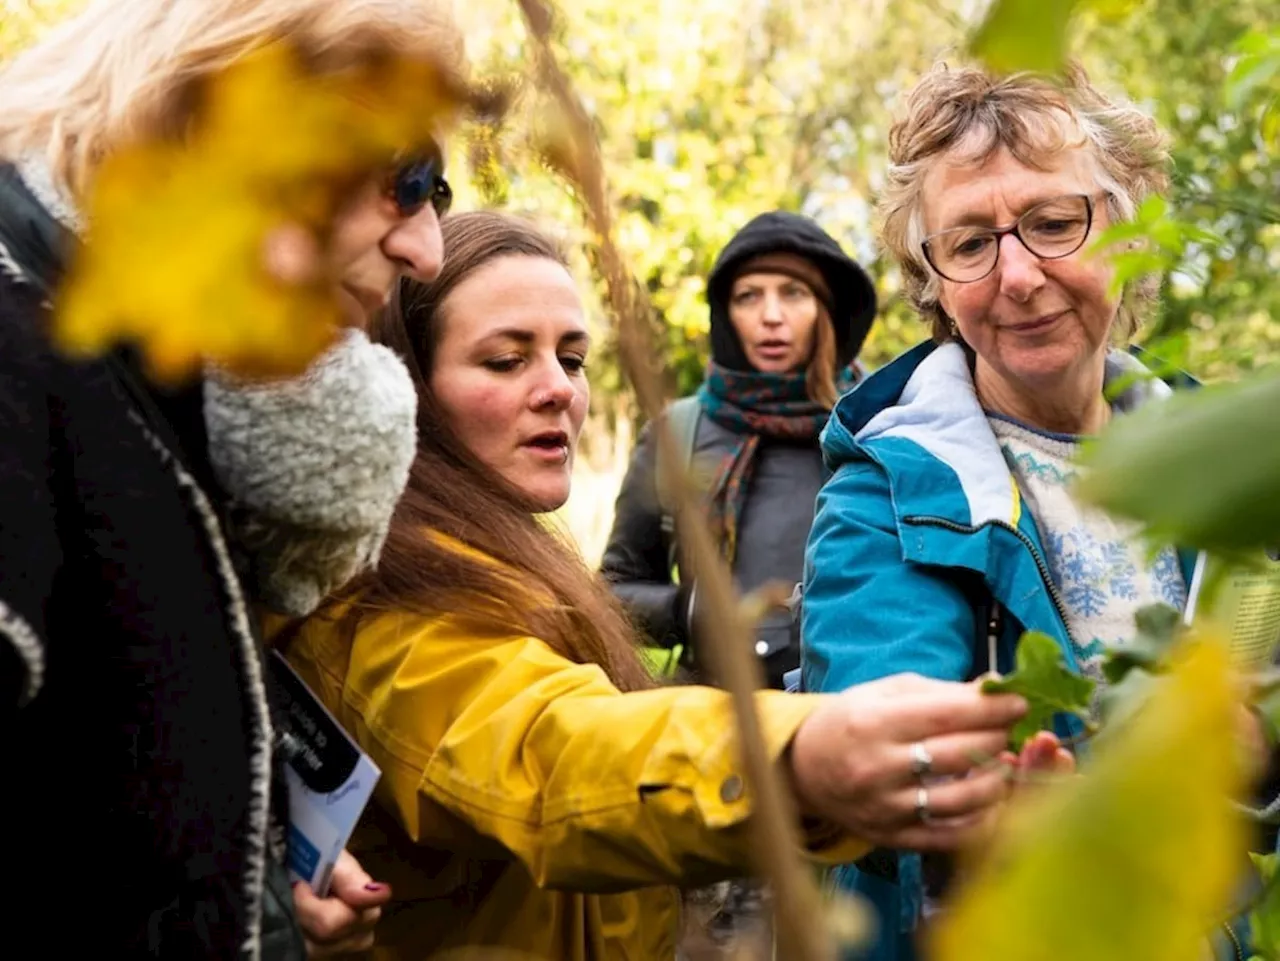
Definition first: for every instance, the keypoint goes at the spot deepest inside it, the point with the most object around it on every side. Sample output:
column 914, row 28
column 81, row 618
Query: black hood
column 853, row 296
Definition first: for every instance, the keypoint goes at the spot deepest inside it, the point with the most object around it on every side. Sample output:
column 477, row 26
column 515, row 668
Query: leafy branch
column 1155, row 241
column 1256, row 75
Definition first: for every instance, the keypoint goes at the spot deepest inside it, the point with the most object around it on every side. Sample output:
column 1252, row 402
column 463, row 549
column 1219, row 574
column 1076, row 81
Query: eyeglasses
column 1050, row 230
column 418, row 182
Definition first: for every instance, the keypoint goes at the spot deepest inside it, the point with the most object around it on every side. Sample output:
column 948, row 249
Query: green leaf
column 1125, row 230
column 1265, row 698
column 1133, row 264
column 1111, row 9
column 1201, row 235
column 1158, row 626
column 1032, row 34
column 1153, row 208
column 1043, row 678
column 1118, row 386
column 1164, row 358
column 1143, row 846
column 1270, row 122
column 1201, row 468
column 1255, row 41
column 1120, row 702
column 1153, row 242
column 1266, row 865
column 1168, row 234
column 1158, row 623
column 1024, row 35
column 1264, row 919
column 1254, row 70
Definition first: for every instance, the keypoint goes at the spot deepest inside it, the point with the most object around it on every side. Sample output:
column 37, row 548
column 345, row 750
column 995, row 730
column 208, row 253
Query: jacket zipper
column 1041, row 566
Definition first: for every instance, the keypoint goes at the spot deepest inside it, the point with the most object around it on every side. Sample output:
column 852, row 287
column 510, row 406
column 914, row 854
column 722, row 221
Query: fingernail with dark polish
column 374, row 886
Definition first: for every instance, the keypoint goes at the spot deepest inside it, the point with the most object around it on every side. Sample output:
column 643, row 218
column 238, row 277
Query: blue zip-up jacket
column 920, row 528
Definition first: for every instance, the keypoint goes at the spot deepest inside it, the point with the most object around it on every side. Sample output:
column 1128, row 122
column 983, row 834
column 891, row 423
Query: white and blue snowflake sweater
column 1098, row 563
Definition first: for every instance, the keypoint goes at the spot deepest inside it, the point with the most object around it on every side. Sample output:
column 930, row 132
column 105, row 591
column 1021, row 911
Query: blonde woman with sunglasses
column 142, row 530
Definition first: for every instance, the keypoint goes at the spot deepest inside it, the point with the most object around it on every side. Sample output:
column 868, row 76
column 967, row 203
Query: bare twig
column 725, row 637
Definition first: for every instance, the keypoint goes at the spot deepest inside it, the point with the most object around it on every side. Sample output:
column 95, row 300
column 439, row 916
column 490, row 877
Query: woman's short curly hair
column 1033, row 116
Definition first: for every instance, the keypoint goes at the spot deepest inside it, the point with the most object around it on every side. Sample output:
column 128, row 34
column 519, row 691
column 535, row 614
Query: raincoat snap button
column 731, row 789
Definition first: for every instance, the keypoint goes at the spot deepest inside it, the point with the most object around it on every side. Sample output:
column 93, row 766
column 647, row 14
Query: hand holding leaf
column 1042, row 677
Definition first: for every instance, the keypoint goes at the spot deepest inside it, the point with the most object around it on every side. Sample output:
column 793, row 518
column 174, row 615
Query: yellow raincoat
column 525, row 803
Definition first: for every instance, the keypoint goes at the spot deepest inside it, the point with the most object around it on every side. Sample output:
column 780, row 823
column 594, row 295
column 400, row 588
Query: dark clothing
column 784, row 479
column 775, row 526
column 135, row 721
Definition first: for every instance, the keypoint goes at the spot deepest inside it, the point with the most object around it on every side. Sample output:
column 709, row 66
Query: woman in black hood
column 789, row 313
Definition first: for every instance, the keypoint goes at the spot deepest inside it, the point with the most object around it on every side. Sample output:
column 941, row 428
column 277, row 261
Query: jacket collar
column 35, row 232
column 924, row 403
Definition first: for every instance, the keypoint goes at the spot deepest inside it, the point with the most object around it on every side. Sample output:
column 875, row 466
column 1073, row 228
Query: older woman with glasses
column 950, row 525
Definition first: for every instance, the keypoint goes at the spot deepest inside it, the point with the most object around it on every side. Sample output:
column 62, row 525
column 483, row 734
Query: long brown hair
column 511, row 572
column 820, row 373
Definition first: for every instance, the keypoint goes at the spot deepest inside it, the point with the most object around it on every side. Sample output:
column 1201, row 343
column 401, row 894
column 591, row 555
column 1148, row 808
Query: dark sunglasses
column 418, row 182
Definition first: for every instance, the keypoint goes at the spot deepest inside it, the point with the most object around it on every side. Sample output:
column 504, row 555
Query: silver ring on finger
column 921, row 761
column 923, row 814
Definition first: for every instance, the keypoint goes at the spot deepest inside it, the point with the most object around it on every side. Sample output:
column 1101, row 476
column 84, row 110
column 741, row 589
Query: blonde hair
column 1034, row 117
column 123, row 69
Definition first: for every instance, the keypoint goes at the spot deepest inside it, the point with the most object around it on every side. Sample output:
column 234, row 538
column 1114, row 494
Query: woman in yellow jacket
column 538, row 794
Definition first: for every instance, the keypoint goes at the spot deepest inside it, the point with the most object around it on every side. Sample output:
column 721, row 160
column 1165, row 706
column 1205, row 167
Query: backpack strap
column 682, row 417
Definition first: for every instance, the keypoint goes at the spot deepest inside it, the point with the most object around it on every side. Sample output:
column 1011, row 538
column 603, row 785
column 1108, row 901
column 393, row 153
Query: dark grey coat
column 786, row 477
column 775, row 526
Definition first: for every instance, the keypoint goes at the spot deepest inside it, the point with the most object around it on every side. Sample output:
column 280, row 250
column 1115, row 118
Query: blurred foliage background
column 713, row 111
column 710, row 112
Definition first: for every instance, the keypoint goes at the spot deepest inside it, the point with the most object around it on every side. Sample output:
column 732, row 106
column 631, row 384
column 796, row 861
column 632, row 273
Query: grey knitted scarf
column 313, row 466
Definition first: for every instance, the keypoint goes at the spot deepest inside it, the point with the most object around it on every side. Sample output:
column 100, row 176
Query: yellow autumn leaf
column 1137, row 857
column 177, row 233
